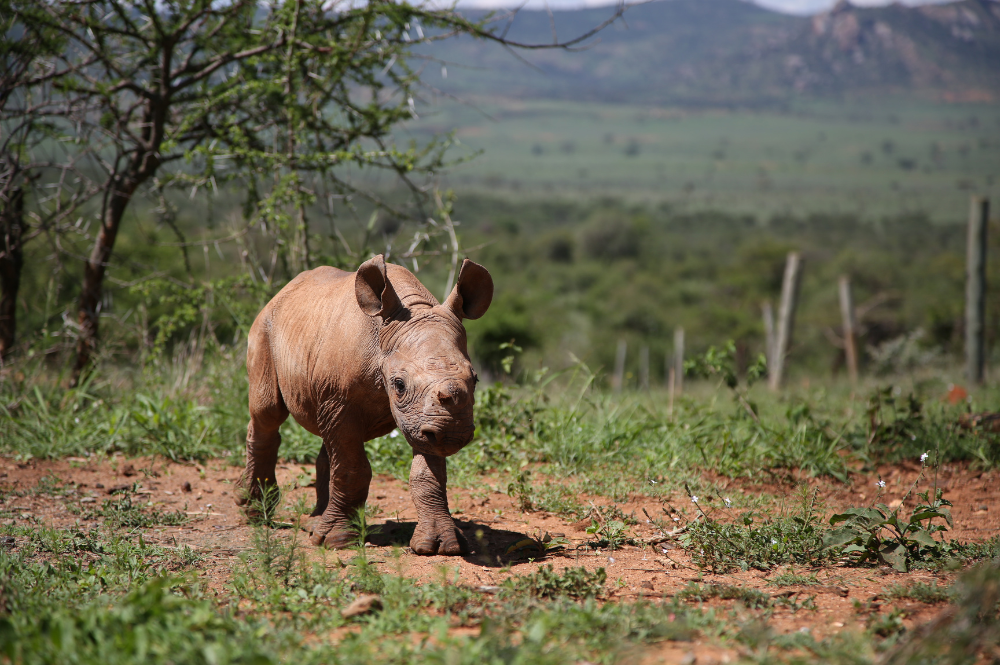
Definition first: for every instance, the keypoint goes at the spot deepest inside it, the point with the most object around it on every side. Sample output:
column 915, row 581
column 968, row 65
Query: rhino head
column 423, row 352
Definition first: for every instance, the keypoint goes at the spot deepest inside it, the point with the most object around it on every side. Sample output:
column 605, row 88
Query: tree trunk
column 11, row 262
column 93, row 273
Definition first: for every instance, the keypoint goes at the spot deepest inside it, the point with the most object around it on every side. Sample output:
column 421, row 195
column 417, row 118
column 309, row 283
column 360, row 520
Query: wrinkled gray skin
column 351, row 356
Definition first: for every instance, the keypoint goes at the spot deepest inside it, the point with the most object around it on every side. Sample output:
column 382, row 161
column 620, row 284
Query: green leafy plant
column 921, row 592
column 611, row 534
column 755, row 539
column 879, row 534
column 752, row 598
column 125, row 512
column 721, row 363
column 570, row 582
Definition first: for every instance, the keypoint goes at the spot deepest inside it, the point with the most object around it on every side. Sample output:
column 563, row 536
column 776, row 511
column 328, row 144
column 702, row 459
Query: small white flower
column 774, row 542
column 393, row 434
column 729, row 504
column 923, row 458
column 664, row 549
column 677, row 519
column 880, row 484
column 694, row 499
column 652, row 482
column 611, row 559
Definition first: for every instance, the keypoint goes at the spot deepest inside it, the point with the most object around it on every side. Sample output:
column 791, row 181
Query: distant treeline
column 576, row 278
column 572, row 277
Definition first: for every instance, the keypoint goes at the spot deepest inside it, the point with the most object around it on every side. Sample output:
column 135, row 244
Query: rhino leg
column 436, row 532
column 254, row 486
column 349, row 474
column 322, row 482
column 267, row 413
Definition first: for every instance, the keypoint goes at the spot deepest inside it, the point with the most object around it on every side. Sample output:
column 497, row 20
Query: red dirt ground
column 218, row 531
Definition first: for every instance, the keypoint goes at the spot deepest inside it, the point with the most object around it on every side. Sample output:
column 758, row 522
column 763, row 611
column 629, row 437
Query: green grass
column 68, row 595
column 858, row 158
column 921, row 592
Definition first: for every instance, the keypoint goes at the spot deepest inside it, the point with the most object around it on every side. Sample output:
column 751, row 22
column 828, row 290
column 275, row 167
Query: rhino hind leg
column 258, row 487
column 436, row 532
column 348, row 475
column 267, row 413
column 322, row 482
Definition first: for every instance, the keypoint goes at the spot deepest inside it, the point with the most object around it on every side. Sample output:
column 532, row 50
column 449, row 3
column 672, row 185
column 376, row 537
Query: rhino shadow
column 488, row 546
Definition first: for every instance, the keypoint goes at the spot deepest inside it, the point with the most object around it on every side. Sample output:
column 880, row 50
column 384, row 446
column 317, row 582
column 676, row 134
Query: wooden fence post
column 618, row 380
column 768, row 313
column 679, row 360
column 786, row 318
column 975, row 289
column 847, row 314
column 644, row 368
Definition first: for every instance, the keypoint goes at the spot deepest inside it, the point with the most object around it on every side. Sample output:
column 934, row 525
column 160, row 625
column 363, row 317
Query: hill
column 723, row 52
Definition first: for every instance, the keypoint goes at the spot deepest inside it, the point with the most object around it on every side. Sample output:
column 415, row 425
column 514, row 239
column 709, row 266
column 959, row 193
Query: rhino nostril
column 429, row 434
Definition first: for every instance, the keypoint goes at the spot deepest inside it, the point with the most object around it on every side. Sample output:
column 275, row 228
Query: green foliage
column 921, row 592
column 887, row 625
column 756, row 540
column 751, row 598
column 571, row 582
column 878, row 534
column 609, row 533
column 791, row 578
column 124, row 512
column 721, row 363
column 961, row 635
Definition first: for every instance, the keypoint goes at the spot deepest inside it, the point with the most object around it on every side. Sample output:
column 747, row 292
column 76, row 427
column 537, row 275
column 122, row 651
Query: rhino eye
column 399, row 386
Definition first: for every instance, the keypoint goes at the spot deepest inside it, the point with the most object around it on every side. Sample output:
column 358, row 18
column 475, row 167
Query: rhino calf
column 351, row 356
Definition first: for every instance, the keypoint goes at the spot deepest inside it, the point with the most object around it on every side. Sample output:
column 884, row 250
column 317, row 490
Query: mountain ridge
column 736, row 52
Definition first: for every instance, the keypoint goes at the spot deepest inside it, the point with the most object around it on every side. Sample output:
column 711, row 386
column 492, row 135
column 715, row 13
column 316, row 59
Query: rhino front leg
column 349, row 476
column 436, row 532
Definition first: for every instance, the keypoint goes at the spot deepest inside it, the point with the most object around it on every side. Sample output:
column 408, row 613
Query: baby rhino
column 352, row 356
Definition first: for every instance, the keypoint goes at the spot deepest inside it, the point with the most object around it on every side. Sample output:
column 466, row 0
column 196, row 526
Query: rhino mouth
column 436, row 438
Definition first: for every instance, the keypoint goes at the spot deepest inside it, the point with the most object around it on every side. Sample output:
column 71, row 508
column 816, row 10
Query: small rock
column 186, row 487
column 646, row 584
column 128, row 470
column 363, row 604
column 88, row 499
column 7, row 542
column 984, row 508
column 99, row 486
column 115, row 489
column 689, row 658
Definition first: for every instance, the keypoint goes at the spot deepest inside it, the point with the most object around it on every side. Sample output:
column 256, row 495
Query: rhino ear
column 473, row 291
column 375, row 294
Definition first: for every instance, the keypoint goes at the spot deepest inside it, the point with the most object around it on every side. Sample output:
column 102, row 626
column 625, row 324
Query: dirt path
column 61, row 493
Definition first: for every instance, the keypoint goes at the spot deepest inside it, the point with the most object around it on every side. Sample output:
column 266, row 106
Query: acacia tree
column 281, row 94
column 41, row 184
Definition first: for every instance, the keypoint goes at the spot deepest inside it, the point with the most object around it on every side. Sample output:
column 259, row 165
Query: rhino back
column 322, row 347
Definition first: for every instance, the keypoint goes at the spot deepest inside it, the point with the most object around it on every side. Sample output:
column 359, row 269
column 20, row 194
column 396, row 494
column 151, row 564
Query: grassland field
column 604, row 528
column 861, row 158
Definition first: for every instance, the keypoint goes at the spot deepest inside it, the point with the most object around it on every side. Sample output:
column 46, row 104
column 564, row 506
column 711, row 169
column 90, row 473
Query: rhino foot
column 439, row 536
column 334, row 536
column 258, row 498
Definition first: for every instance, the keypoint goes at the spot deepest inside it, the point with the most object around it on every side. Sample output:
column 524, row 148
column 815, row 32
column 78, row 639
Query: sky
column 788, row 6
